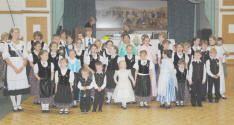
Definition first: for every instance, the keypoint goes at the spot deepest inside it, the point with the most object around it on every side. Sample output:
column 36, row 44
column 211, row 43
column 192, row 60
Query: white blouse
column 64, row 71
column 44, row 64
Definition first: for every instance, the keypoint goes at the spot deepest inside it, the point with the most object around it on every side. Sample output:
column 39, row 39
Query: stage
column 210, row 114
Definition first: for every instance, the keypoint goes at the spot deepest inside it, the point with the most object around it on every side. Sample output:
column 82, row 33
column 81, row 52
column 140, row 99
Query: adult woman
column 15, row 55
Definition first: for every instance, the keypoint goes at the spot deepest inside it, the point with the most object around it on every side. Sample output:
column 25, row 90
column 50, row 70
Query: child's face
column 129, row 50
column 166, row 46
column 63, row 36
column 161, row 38
column 93, row 49
column 219, row 42
column 147, row 41
column 37, row 47
column 79, row 44
column 126, row 40
column 69, row 40
column 164, row 55
column 186, row 49
column 122, row 65
column 204, row 46
column 179, row 48
column 80, row 36
column 197, row 56
column 99, row 68
column 44, row 56
column 37, row 38
column 63, row 64
column 89, row 33
column 197, row 42
column 143, row 56
column 54, row 48
column 109, row 45
column 212, row 41
column 98, row 44
column 72, row 54
column 213, row 54
column 85, row 75
column 181, row 65
column 15, row 34
column 56, row 39
column 112, row 50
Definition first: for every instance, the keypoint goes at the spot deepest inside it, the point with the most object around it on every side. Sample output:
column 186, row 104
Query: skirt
column 63, row 97
column 170, row 94
column 46, row 91
column 35, row 86
column 110, row 86
column 75, row 87
column 143, row 88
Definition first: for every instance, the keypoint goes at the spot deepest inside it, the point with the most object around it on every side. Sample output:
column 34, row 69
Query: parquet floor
column 209, row 114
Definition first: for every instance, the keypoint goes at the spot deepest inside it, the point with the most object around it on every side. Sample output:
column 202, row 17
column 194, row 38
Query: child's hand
column 99, row 89
column 38, row 78
column 203, row 83
column 190, row 83
column 71, row 89
column 134, row 84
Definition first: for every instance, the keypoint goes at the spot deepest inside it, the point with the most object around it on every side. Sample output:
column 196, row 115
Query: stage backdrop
column 138, row 14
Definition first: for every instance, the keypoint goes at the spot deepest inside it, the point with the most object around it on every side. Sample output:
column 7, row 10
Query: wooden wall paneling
column 36, row 3
column 228, row 37
column 42, row 21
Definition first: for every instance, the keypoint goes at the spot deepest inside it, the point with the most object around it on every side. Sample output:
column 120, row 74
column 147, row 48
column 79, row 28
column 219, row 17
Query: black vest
column 181, row 76
column 13, row 52
column 205, row 56
column 33, row 44
column 176, row 59
column 87, row 82
column 130, row 62
column 99, row 79
column 54, row 61
column 93, row 61
column 64, row 80
column 144, row 69
column 35, row 58
column 44, row 72
column 81, row 57
column 214, row 66
column 197, row 71
column 112, row 63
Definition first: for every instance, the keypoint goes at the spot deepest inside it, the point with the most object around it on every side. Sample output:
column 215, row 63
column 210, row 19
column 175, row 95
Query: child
column 38, row 36
column 179, row 54
column 88, row 40
column 33, row 59
column 167, row 82
column 143, row 75
column 44, row 72
column 80, row 52
column 74, row 65
column 54, row 55
column 100, row 84
column 181, row 75
column 196, row 78
column 162, row 36
column 85, row 85
column 188, row 53
column 64, row 79
column 165, row 44
column 63, row 36
column 69, row 45
column 214, row 71
column 196, row 45
column 98, row 43
column 123, row 91
column 204, row 58
column 113, row 60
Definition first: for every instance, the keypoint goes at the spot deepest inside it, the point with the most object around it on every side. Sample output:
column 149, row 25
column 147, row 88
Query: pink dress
column 151, row 55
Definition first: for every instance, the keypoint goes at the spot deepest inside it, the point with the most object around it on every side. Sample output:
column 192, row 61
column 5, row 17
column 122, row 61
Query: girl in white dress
column 123, row 91
column 15, row 55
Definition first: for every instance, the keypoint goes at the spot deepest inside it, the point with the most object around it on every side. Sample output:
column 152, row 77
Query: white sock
column 61, row 110
column 141, row 103
column 42, row 106
column 47, row 106
column 18, row 100
column 74, row 103
column 66, row 110
column 168, row 103
column 109, row 95
column 124, row 104
column 145, row 103
column 13, row 101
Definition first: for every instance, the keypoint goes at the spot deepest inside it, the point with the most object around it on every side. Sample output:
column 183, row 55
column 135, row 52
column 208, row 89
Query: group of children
column 84, row 70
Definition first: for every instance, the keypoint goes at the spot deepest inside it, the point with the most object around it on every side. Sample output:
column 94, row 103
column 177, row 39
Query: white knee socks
column 13, row 100
column 109, row 96
column 18, row 97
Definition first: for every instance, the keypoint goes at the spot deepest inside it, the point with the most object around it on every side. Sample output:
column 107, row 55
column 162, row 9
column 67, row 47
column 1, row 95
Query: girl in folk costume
column 64, row 79
column 38, row 36
column 44, row 72
column 151, row 55
column 167, row 82
column 15, row 55
column 74, row 65
column 80, row 52
column 196, row 45
column 88, row 40
column 98, row 43
column 179, row 54
column 54, row 55
column 143, row 77
column 220, row 54
column 69, row 45
column 165, row 44
column 188, row 52
column 112, row 66
column 63, row 37
column 123, row 92
column 33, row 59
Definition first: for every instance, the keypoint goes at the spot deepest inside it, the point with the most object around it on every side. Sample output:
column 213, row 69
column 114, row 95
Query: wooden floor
column 209, row 114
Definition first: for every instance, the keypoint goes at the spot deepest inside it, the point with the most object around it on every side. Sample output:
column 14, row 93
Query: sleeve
column 190, row 72
column 220, row 69
column 29, row 46
column 87, row 60
column 208, row 68
column 104, row 83
column 94, row 84
column 52, row 67
column 103, row 60
column 80, row 86
column 172, row 56
column 204, row 74
column 56, row 77
column 151, row 66
column 25, row 53
column 159, row 54
column 30, row 57
column 186, row 59
column 136, row 66
column 5, row 52
column 71, row 78
column 35, row 68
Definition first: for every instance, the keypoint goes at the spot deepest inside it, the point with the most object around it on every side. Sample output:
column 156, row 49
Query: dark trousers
column 216, row 83
column 204, row 90
column 196, row 92
column 98, row 100
column 85, row 103
column 180, row 91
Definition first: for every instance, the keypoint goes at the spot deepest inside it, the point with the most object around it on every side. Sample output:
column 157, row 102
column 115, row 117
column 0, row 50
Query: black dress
column 54, row 60
column 111, row 68
column 81, row 58
column 63, row 97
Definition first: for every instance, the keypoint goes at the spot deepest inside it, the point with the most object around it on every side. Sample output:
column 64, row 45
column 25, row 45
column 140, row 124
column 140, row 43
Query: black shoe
column 43, row 111
column 211, row 100
column 94, row 111
column 100, row 110
column 162, row 105
column 123, row 107
column 74, row 106
column 141, row 106
column 194, row 105
column 134, row 103
column 216, row 101
column 200, row 105
column 66, row 112
column 147, row 106
column 223, row 97
column 15, row 110
column 177, row 104
column 20, row 110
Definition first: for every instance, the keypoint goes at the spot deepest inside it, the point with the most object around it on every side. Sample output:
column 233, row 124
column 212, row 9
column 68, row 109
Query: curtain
column 57, row 14
column 181, row 20
column 77, row 13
